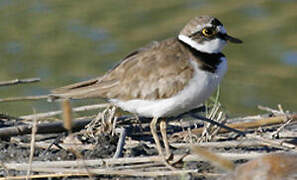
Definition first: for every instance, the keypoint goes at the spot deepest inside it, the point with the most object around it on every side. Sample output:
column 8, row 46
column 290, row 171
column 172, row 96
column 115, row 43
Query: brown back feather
column 159, row 70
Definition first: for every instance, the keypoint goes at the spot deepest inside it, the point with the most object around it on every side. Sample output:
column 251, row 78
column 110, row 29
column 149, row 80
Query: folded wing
column 159, row 70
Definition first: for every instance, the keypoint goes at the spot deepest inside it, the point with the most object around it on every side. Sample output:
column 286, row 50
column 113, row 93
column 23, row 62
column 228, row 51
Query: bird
column 164, row 78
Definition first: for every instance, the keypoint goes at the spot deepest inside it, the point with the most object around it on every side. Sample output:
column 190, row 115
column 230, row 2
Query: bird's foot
column 174, row 163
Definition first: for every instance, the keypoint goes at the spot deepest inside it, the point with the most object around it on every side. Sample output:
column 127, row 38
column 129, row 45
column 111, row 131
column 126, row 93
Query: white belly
column 200, row 87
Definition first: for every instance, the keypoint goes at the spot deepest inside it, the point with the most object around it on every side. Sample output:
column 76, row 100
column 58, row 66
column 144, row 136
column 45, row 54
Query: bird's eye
column 207, row 32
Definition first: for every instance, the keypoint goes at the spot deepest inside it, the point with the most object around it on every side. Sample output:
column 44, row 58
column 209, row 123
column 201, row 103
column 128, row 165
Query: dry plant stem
column 112, row 119
column 220, row 119
column 189, row 135
column 44, row 145
column 19, row 81
column 141, row 166
column 34, row 130
column 90, row 126
column 114, row 123
column 104, row 122
column 205, row 133
column 224, row 144
column 281, row 108
column 287, row 121
column 29, row 98
column 211, row 130
column 205, row 136
column 268, row 109
column 214, row 111
column 276, row 133
column 54, row 113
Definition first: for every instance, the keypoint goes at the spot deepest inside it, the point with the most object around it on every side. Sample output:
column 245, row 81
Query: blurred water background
column 63, row 42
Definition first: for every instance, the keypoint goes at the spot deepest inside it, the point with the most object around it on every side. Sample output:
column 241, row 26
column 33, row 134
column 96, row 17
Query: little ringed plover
column 163, row 79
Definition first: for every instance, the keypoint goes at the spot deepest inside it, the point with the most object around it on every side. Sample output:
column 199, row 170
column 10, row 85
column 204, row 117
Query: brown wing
column 157, row 71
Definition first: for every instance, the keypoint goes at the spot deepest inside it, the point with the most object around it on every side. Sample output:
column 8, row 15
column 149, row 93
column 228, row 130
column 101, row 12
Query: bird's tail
column 81, row 90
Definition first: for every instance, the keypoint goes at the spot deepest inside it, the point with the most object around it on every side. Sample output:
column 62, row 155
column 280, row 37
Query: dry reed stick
column 246, row 125
column 128, row 173
column 19, row 81
column 111, row 161
column 67, row 115
column 24, row 98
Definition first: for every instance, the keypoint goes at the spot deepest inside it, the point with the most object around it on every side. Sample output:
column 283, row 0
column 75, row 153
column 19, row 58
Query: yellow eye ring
column 207, row 32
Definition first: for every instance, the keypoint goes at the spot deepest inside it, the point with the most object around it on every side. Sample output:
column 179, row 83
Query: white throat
column 212, row 46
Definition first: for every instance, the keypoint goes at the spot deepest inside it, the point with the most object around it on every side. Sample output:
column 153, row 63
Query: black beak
column 232, row 39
